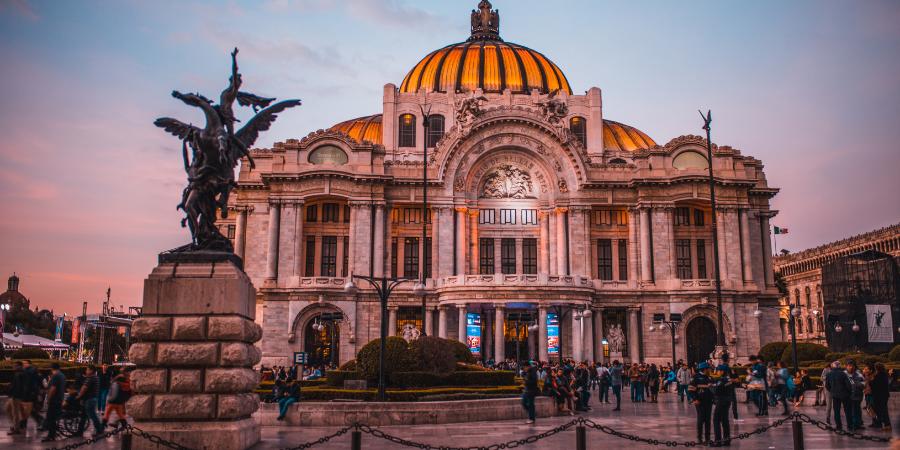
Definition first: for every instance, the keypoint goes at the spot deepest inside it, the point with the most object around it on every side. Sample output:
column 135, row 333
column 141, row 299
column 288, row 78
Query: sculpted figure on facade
column 553, row 109
column 467, row 111
column 508, row 181
column 616, row 338
column 410, row 333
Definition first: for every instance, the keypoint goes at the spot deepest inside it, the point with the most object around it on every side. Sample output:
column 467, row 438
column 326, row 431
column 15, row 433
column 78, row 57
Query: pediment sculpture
column 508, row 181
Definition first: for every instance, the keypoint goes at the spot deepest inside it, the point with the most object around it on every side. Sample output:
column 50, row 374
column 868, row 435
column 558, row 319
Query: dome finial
column 13, row 283
column 485, row 23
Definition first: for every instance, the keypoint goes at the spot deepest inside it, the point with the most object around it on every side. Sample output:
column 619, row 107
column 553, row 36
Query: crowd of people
column 712, row 389
column 93, row 392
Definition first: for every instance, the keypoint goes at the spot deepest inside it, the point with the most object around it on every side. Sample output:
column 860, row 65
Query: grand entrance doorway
column 701, row 339
column 322, row 337
column 516, row 334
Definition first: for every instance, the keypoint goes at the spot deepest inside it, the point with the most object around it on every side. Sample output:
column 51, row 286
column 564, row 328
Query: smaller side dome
column 624, row 138
column 363, row 129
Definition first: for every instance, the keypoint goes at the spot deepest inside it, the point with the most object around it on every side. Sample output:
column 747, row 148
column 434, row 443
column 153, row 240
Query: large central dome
column 485, row 62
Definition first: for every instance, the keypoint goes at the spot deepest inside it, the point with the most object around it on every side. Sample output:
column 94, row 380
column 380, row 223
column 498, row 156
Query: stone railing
column 516, row 280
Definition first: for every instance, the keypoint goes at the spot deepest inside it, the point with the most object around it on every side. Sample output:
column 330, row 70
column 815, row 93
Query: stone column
column 461, row 326
column 544, row 244
column 299, row 241
column 473, row 241
column 379, row 253
column 579, row 242
column 194, row 356
column 551, row 243
column 577, row 336
column 746, row 255
column 274, row 231
column 442, row 322
column 767, row 250
column 598, row 334
column 634, row 263
column 240, row 233
column 435, row 243
column 461, row 245
column 634, row 331
column 351, row 258
column 499, row 341
column 443, row 251
column 429, row 321
column 587, row 338
column 392, row 320
column 287, row 240
column 561, row 251
column 520, row 245
column 542, row 334
column 646, row 266
column 670, row 230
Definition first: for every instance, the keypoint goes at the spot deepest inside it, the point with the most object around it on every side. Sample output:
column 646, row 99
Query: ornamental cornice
column 241, row 208
column 359, row 204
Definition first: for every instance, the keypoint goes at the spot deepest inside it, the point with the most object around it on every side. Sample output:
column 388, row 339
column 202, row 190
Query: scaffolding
column 849, row 284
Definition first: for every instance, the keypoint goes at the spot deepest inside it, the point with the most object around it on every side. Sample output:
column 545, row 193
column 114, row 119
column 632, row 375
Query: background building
column 803, row 277
column 543, row 215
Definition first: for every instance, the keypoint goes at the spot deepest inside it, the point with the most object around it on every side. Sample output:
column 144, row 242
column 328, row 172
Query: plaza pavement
column 666, row 420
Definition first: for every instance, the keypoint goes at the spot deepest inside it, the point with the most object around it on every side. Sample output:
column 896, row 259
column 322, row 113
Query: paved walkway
column 666, row 420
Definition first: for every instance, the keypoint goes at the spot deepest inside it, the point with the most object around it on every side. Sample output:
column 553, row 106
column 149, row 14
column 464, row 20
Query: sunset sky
column 88, row 186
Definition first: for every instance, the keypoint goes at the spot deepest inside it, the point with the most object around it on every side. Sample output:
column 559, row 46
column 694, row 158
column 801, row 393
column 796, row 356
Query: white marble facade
column 616, row 224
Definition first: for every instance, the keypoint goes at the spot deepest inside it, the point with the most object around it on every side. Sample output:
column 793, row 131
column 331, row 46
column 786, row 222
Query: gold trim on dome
column 362, row 129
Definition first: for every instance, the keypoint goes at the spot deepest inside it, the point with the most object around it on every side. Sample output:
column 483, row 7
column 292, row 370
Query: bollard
column 580, row 438
column 798, row 434
column 126, row 441
column 356, row 440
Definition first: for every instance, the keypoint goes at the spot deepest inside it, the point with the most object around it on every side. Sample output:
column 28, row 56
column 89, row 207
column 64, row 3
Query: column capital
column 440, row 208
column 561, row 209
column 461, row 209
column 462, row 305
column 473, row 212
column 499, row 305
column 393, row 308
column 359, row 204
column 241, row 208
column 543, row 213
column 380, row 205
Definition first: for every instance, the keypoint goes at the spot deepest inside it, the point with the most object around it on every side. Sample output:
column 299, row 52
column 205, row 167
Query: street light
column 383, row 286
column 795, row 312
column 720, row 337
column 419, row 288
column 672, row 325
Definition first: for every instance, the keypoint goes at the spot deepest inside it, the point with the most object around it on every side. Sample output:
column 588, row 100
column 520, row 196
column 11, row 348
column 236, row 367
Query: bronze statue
column 214, row 153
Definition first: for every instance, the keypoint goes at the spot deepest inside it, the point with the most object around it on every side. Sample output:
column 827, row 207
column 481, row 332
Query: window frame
column 486, row 256
column 508, row 256
column 432, row 137
column 406, row 133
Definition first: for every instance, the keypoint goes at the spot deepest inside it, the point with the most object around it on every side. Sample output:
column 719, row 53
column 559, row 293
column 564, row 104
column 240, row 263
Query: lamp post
column 795, row 312
column 419, row 288
column 383, row 286
column 855, row 327
column 720, row 337
column 672, row 325
column 3, row 309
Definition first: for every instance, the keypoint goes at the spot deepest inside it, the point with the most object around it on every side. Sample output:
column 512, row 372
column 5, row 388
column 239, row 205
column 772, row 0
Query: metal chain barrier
column 322, row 439
column 156, row 439
column 509, row 444
column 92, row 440
column 826, row 427
column 631, row 437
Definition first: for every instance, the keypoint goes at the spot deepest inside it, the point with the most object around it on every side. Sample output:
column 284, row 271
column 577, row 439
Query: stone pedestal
column 194, row 354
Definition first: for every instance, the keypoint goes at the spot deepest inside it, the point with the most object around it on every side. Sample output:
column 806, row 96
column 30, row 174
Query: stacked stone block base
column 194, row 354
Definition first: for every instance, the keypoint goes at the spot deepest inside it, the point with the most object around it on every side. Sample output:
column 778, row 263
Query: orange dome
column 616, row 136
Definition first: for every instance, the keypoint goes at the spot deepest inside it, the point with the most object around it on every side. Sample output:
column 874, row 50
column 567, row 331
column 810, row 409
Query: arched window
column 435, row 130
column 818, row 296
column 407, row 130
column 618, row 161
column 797, row 297
column 809, row 325
column 808, row 299
column 800, row 326
column 579, row 128
column 690, row 160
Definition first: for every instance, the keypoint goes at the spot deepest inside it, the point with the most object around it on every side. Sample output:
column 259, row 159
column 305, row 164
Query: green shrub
column 461, row 352
column 349, row 366
column 835, row 356
column 460, row 367
column 894, row 354
column 397, row 357
column 806, row 351
column 454, row 379
column 865, row 359
column 772, row 351
column 30, row 353
column 434, row 355
column 337, row 377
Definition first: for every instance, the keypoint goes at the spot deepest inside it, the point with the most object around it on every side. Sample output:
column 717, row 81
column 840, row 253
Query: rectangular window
column 604, row 259
column 682, row 216
column 231, row 231
column 394, row 257
column 312, row 213
column 345, row 264
column 330, row 212
column 623, row 260
column 508, row 256
column 310, row 266
column 529, row 217
column 411, row 257
column 611, row 217
column 428, row 257
column 486, row 256
column 346, row 213
column 508, row 216
column 701, row 259
column 407, row 132
column 395, row 215
column 683, row 259
column 602, row 217
column 412, row 215
column 621, row 217
column 485, row 216
column 698, row 217
column 329, row 256
column 529, row 256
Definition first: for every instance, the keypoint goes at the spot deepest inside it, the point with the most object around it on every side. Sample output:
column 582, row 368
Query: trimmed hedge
column 397, row 358
column 337, row 377
column 773, row 351
column 349, row 366
column 461, row 352
column 428, row 379
column 434, row 355
column 806, row 351
column 835, row 356
column 30, row 353
column 460, row 367
column 894, row 354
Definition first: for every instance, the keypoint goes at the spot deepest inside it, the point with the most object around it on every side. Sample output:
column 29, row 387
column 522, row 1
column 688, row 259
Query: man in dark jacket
column 703, row 399
column 838, row 385
column 723, row 384
column 16, row 394
column 531, row 391
column 582, row 387
column 56, row 390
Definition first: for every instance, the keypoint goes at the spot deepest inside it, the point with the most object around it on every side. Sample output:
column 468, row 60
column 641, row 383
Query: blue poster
column 60, row 321
column 552, row 334
column 473, row 332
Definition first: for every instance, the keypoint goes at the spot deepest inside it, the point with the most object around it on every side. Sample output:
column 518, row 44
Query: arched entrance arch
column 700, row 335
column 316, row 330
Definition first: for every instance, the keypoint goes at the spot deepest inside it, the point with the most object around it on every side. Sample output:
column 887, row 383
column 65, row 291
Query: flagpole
column 775, row 240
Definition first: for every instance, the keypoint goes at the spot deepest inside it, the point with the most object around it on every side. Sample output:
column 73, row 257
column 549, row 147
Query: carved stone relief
column 508, row 181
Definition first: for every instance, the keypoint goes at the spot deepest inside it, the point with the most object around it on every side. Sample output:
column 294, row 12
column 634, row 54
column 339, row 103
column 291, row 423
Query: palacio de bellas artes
column 449, row 246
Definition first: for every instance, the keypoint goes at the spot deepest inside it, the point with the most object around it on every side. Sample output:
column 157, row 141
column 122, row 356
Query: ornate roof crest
column 485, row 23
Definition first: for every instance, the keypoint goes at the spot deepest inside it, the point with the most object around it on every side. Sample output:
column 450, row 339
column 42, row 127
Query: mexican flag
column 780, row 230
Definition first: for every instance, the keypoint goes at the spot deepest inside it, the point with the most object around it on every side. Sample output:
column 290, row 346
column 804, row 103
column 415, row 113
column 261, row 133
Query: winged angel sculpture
column 212, row 153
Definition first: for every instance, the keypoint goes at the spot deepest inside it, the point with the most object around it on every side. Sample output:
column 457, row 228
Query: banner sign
column 473, row 332
column 881, row 325
column 76, row 328
column 59, row 328
column 552, row 334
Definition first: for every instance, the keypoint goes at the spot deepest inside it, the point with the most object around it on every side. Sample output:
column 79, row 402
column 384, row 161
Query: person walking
column 105, row 376
column 653, row 382
column 683, row 379
column 603, row 377
column 16, row 394
column 582, row 387
column 839, row 385
column 87, row 395
column 31, row 387
column 56, row 391
column 880, row 389
column 825, row 391
column 780, row 388
column 703, row 400
column 615, row 381
column 723, row 387
column 119, row 393
column 530, row 392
